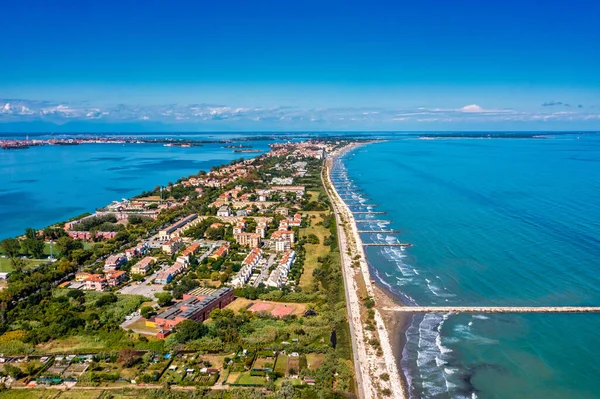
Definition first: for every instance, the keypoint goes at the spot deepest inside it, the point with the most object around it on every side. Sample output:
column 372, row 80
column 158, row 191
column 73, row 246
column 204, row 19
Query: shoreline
column 386, row 359
column 396, row 322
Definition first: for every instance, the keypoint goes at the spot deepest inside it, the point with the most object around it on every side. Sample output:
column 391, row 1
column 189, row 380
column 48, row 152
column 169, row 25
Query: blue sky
column 286, row 65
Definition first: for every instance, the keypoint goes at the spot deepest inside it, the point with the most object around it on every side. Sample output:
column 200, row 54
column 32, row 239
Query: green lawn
column 313, row 251
column 6, row 265
column 29, row 394
column 246, row 378
column 281, row 365
column 80, row 394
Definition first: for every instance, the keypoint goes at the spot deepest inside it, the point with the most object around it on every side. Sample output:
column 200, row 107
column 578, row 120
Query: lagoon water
column 40, row 186
column 493, row 222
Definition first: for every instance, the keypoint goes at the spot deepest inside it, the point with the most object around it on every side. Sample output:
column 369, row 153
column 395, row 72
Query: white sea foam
column 480, row 317
column 464, row 332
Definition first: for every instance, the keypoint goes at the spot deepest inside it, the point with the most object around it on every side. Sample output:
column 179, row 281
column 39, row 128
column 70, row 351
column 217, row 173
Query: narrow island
column 242, row 280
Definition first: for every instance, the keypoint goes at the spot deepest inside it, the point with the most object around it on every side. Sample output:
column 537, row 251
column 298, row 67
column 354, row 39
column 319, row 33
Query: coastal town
column 70, row 140
column 231, row 280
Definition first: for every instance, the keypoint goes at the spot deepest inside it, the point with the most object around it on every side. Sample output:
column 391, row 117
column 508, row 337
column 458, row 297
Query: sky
column 299, row 65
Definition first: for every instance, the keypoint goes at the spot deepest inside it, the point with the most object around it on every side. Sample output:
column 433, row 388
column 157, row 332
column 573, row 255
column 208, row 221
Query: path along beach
column 370, row 362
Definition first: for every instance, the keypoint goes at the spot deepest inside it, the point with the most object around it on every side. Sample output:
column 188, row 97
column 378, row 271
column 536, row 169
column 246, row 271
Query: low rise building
column 115, row 277
column 172, row 246
column 193, row 307
column 261, row 229
column 223, row 211
column 191, row 250
column 248, row 264
column 143, row 266
column 239, row 228
column 223, row 250
column 166, row 276
column 279, row 275
column 95, row 282
column 295, row 221
column 248, row 239
column 114, row 262
column 283, row 239
column 175, row 229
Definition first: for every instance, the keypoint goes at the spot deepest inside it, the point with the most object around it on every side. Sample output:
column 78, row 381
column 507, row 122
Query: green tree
column 30, row 233
column 164, row 298
column 11, row 247
column 189, row 330
column 66, row 245
column 33, row 247
column 145, row 311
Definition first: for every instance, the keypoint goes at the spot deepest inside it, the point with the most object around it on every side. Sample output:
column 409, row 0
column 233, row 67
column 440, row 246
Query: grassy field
column 314, row 360
column 6, row 266
column 76, row 344
column 281, row 365
column 80, row 394
column 313, row 251
column 246, row 378
column 29, row 394
column 314, row 195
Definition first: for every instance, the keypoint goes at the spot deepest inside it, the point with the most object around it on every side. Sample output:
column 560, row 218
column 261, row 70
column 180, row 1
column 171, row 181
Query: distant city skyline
column 272, row 65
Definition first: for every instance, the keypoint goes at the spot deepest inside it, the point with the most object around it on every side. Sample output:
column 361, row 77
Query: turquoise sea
column 40, row 186
column 493, row 222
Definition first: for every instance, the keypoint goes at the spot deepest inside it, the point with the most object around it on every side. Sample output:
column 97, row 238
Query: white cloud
column 472, row 108
column 24, row 110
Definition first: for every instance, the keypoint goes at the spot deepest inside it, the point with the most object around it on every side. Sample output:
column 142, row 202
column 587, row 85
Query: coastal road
column 369, row 363
column 352, row 314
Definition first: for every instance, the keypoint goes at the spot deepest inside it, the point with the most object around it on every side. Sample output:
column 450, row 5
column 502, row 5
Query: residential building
column 191, row 250
column 223, row 211
column 166, row 276
column 248, row 264
column 175, row 229
column 279, row 275
column 143, row 266
column 239, row 228
column 114, row 262
column 172, row 246
column 287, row 235
column 248, row 239
column 282, row 181
column 261, row 229
column 281, row 245
column 296, row 221
column 299, row 190
column 223, row 250
column 115, row 277
column 282, row 211
column 95, row 282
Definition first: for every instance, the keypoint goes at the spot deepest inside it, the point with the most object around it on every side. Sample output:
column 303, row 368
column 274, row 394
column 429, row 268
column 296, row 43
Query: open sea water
column 40, row 186
column 493, row 222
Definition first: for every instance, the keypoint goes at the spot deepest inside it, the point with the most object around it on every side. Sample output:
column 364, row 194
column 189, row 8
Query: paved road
column 264, row 272
column 341, row 244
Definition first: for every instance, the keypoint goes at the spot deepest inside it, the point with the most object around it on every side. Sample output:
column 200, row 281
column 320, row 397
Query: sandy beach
column 371, row 361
